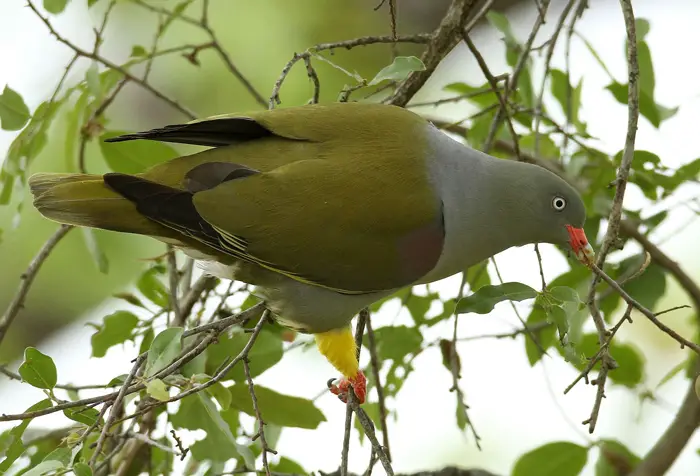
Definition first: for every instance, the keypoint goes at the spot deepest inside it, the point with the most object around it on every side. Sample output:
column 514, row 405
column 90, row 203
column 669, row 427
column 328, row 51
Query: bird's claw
column 358, row 384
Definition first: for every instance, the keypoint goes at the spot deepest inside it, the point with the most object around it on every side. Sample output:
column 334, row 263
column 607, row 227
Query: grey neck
column 472, row 187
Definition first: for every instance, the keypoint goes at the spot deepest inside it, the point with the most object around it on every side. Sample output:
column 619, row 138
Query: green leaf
column 553, row 459
column 61, row 454
column 84, row 415
column 138, row 51
column 567, row 96
column 14, row 113
column 396, row 342
column 642, row 28
column 615, row 459
column 485, row 299
column 565, row 294
column 653, row 112
column 92, row 2
column 55, row 6
column 221, row 394
column 399, row 69
column 649, row 287
column 478, row 276
column 595, row 54
column 150, row 285
column 45, row 467
column 135, row 156
column 156, row 389
column 630, row 370
column 165, row 348
column 82, row 469
column 286, row 465
column 25, row 148
column 117, row 328
column 119, row 380
column 557, row 315
column 476, row 93
column 266, row 352
column 418, row 306
column 196, row 365
column 500, row 21
column 92, row 79
column 147, row 340
column 198, row 412
column 75, row 118
column 38, row 369
column 96, row 252
column 282, row 410
column 14, row 447
column 130, row 298
column 677, row 369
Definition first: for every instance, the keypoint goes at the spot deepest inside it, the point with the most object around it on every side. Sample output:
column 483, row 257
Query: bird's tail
column 85, row 200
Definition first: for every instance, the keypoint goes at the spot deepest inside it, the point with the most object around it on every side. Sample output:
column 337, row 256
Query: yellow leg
column 338, row 346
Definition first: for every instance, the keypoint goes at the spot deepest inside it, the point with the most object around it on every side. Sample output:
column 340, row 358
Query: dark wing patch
column 209, row 175
column 210, row 133
column 165, row 205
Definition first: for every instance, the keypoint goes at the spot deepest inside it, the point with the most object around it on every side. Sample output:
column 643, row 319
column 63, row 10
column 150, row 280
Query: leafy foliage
column 38, row 369
column 553, row 459
column 14, row 114
column 484, row 300
column 399, row 69
column 116, row 329
column 223, row 409
column 278, row 409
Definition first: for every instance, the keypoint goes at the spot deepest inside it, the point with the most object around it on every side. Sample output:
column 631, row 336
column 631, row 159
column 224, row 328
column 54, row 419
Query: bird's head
column 562, row 214
column 550, row 209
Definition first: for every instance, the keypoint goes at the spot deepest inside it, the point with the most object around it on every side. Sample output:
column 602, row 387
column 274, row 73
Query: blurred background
column 514, row 407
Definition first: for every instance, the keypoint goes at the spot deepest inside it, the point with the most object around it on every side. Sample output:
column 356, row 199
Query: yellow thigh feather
column 338, row 346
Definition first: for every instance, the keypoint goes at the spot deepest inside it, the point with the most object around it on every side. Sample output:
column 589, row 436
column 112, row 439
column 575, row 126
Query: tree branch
column 444, row 39
column 27, row 279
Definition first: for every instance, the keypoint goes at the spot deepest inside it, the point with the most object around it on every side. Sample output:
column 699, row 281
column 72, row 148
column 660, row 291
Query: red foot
column 359, row 386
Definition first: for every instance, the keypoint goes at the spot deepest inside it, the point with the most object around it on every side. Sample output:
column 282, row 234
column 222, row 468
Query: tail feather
column 85, row 200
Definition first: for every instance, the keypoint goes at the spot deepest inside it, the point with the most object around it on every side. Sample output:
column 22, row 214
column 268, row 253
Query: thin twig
column 607, row 363
column 174, row 281
column 311, row 73
column 115, row 408
column 494, row 86
column 265, row 449
column 539, row 263
column 375, row 363
column 27, row 279
column 548, row 60
column 447, row 35
column 74, row 388
column 186, row 356
column 359, row 332
column 362, row 417
column 87, row 54
column 649, row 314
column 514, row 78
column 455, row 370
column 347, row 44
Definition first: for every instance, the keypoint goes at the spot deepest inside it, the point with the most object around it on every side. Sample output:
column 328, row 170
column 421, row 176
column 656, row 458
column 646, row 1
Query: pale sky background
column 515, row 408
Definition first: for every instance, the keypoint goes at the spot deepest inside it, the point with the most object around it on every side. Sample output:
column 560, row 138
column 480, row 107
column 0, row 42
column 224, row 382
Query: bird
column 325, row 209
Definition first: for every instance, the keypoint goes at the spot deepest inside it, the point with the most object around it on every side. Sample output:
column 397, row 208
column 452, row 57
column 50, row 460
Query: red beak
column 579, row 243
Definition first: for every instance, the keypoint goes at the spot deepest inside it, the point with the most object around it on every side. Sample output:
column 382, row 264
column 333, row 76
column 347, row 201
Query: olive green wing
column 340, row 225
column 330, row 195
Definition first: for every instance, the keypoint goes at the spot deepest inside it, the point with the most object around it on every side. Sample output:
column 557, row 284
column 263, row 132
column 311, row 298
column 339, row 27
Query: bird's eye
column 558, row 203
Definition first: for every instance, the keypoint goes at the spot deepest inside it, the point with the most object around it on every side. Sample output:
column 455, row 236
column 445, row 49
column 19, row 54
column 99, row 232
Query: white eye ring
column 558, row 203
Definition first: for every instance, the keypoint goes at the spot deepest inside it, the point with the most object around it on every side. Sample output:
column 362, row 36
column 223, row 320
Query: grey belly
column 299, row 306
